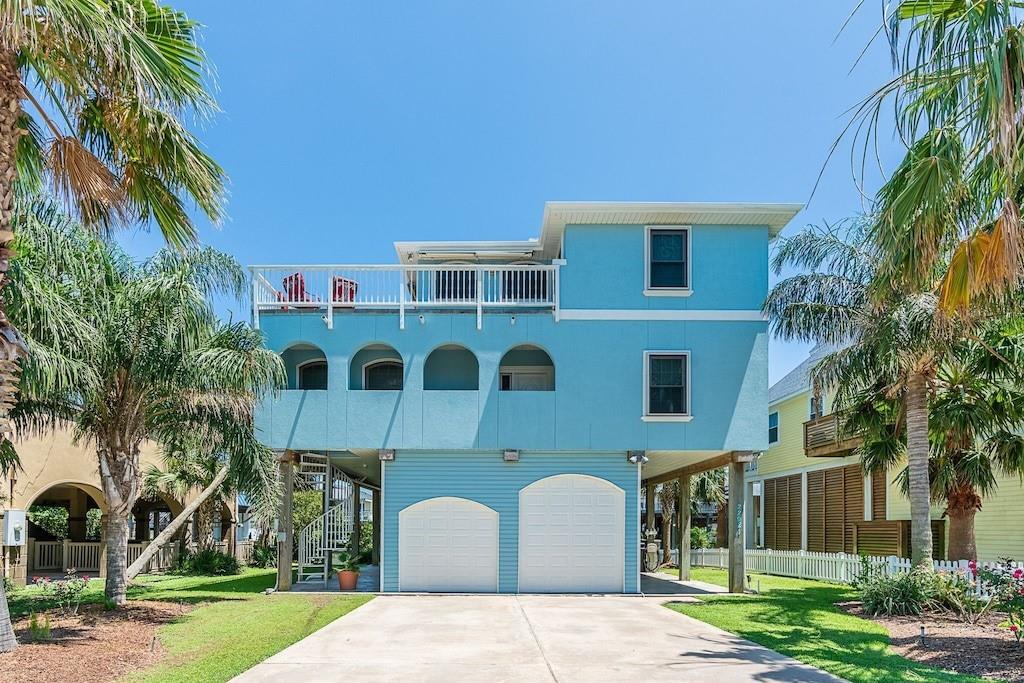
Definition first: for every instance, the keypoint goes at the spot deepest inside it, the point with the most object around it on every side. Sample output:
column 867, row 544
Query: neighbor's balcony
column 468, row 287
column 822, row 438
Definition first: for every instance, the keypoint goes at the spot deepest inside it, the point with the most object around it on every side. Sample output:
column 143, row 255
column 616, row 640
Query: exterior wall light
column 637, row 457
column 510, row 455
column 386, row 454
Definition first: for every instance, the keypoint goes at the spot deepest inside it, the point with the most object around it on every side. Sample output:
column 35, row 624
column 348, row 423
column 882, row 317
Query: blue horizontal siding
column 484, row 477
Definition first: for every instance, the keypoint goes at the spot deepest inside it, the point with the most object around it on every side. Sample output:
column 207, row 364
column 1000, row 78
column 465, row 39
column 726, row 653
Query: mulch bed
column 983, row 649
column 96, row 645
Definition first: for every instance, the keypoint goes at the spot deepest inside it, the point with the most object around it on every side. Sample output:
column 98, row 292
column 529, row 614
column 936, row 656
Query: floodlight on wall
column 386, row 454
column 510, row 455
column 637, row 457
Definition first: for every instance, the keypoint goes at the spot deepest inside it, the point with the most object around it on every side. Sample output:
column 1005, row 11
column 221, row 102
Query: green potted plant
column 348, row 571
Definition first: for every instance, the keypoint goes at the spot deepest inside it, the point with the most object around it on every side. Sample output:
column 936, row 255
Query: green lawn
column 797, row 618
column 233, row 627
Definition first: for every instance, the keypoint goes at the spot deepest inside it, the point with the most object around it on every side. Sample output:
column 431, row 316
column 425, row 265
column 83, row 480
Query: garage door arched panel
column 572, row 535
column 448, row 545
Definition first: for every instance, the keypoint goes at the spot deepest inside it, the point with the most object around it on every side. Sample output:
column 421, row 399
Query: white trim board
column 651, row 314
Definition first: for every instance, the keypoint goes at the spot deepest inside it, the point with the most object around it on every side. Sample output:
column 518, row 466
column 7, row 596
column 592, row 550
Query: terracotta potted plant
column 348, row 571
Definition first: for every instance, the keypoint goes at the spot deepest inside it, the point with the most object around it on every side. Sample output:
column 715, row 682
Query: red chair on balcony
column 294, row 290
column 343, row 291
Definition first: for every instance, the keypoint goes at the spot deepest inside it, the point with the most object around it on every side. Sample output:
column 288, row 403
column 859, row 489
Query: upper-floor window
column 526, row 368
column 667, row 267
column 383, row 375
column 376, row 367
column 817, row 408
column 773, row 427
column 313, row 374
column 667, row 385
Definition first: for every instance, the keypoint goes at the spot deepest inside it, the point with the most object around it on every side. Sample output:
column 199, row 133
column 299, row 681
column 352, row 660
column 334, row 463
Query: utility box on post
column 15, row 528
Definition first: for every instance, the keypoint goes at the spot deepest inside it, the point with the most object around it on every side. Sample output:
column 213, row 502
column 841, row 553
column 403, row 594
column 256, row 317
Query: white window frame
column 300, row 366
column 545, row 370
column 668, row 291
column 778, row 426
column 367, row 366
column 664, row 417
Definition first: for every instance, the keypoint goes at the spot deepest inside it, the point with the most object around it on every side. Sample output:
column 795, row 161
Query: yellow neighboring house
column 810, row 494
column 57, row 473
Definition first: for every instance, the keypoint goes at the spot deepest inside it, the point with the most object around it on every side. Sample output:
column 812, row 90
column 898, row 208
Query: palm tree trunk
column 666, row 536
column 204, row 526
column 11, row 344
column 962, row 505
column 7, row 640
column 917, row 464
column 165, row 536
column 120, row 476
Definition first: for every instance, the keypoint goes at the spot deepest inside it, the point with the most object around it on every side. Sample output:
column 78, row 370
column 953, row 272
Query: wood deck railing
column 822, row 438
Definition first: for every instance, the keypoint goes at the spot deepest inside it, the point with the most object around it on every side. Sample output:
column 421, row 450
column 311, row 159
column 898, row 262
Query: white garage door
column 448, row 545
column 571, row 535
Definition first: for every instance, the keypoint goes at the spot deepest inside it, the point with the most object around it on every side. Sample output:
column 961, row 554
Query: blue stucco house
column 508, row 403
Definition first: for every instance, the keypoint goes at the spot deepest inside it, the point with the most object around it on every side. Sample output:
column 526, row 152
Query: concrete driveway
column 525, row 638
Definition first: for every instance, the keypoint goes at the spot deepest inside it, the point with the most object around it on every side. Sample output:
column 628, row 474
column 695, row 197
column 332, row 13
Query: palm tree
column 706, row 488
column 108, row 85
column 201, row 466
column 955, row 203
column 894, row 341
column 155, row 364
column 976, row 419
column 39, row 301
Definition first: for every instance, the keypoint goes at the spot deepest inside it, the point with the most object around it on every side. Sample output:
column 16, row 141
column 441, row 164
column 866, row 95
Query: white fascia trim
column 813, row 467
column 651, row 314
column 785, row 398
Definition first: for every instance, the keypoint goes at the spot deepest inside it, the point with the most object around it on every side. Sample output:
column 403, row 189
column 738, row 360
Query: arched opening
column 306, row 366
column 377, row 367
column 150, row 516
column 451, row 368
column 69, row 511
column 526, row 368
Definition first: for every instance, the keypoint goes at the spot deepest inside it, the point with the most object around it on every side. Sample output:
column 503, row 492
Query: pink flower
column 1017, row 573
column 1013, row 627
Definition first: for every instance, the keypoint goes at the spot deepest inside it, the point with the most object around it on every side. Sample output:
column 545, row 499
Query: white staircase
column 332, row 531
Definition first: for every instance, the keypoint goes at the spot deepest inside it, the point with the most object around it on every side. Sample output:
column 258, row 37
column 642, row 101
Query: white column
column 803, row 511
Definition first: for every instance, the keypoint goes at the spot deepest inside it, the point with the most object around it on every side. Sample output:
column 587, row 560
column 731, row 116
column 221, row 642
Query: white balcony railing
column 403, row 288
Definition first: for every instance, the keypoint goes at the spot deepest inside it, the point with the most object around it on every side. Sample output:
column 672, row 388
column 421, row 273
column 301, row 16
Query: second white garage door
column 571, row 535
column 448, row 545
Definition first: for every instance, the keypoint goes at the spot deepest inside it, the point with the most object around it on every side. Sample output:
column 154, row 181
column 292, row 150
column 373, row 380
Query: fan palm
column 706, row 488
column 955, row 201
column 108, row 85
column 156, row 365
column 975, row 422
column 895, row 342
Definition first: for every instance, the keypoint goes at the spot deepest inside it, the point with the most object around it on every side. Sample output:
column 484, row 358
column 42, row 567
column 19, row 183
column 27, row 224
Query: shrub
column 38, row 630
column 954, row 594
column 701, row 537
column 1006, row 582
column 263, row 555
column 900, row 595
column 9, row 585
column 207, row 562
column 66, row 592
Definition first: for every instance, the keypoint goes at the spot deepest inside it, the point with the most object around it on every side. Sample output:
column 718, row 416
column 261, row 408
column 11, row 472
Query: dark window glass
column 506, row 383
column 313, row 375
column 668, row 259
column 667, row 385
column 773, row 427
column 384, row 376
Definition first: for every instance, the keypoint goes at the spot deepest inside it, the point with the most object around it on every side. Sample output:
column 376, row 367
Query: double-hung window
column 773, row 427
column 817, row 408
column 667, row 268
column 666, row 385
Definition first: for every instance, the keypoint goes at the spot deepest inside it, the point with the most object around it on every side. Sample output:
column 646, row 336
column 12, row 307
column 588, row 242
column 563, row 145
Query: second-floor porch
column 824, row 437
column 405, row 288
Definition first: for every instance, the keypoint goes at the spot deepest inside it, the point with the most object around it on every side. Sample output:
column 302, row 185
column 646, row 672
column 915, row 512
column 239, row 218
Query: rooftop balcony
column 404, row 288
column 822, row 438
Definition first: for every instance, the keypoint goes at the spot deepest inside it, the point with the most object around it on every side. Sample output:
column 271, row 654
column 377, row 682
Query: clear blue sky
column 347, row 125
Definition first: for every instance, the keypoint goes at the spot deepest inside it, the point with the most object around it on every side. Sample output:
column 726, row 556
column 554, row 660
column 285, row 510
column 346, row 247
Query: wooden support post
column 683, row 507
column 737, row 579
column 284, row 524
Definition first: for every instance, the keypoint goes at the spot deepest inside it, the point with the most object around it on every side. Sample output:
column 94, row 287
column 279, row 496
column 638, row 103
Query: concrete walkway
column 525, row 638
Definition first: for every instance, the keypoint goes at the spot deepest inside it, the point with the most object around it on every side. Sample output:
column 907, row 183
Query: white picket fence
column 834, row 567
